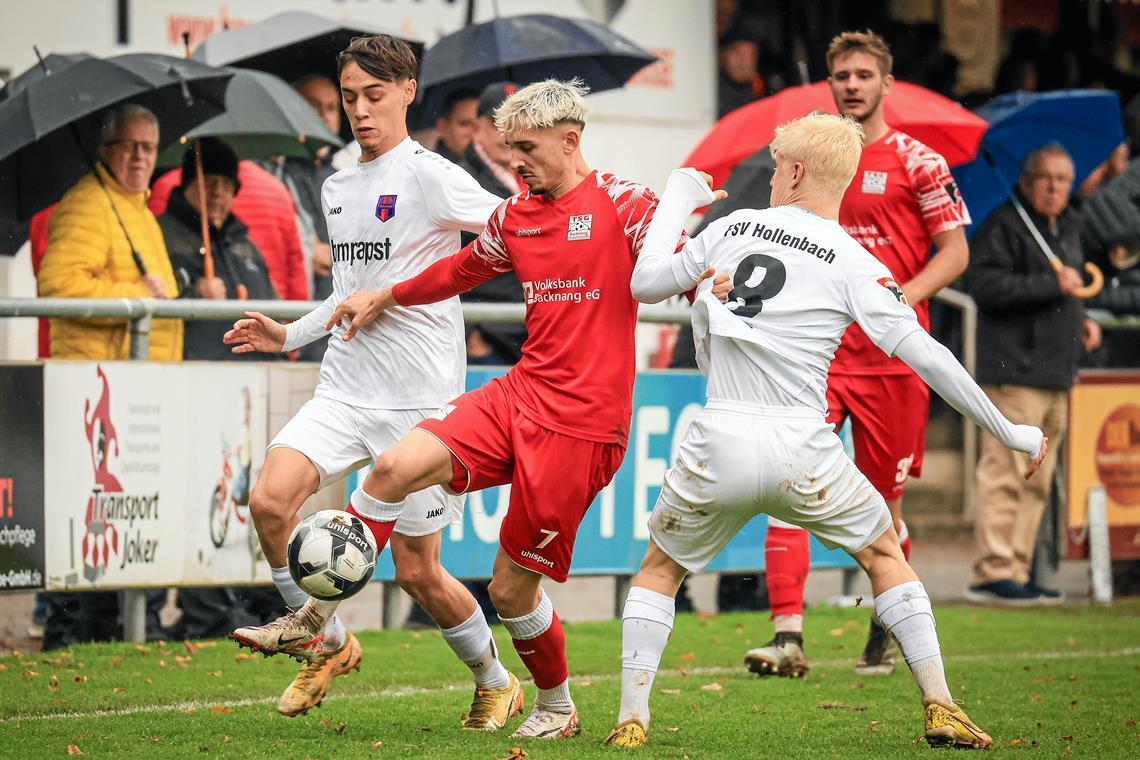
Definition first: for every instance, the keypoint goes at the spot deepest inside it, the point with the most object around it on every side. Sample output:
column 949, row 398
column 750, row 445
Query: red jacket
column 38, row 236
column 266, row 207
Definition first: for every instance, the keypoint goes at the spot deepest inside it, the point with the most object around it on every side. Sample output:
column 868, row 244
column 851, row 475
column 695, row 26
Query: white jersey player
column 762, row 443
column 390, row 216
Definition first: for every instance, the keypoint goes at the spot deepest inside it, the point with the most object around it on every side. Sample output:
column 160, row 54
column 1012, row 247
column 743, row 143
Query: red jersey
column 574, row 257
column 902, row 195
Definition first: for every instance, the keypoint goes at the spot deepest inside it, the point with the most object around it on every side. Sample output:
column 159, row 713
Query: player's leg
column 889, row 417
column 646, row 623
column 498, row 693
column 901, row 603
column 536, row 632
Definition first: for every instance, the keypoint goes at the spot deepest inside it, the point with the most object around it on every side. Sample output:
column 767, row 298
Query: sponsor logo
column 527, row 652
column 364, row 251
column 442, row 412
column 951, row 188
column 579, row 227
column 437, row 512
column 874, row 183
column 385, row 207
column 528, row 231
column 537, row 557
column 896, row 291
column 334, row 211
column 558, row 290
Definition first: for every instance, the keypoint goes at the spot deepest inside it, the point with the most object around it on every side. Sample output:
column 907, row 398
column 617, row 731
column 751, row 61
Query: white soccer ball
column 332, row 554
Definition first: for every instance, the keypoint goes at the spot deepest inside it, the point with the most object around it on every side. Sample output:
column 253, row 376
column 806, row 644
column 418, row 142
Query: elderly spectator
column 239, row 268
column 266, row 208
column 738, row 79
column 103, row 242
column 487, row 159
column 456, row 125
column 1030, row 333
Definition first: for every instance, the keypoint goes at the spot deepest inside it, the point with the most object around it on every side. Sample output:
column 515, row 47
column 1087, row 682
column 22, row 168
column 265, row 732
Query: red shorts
column 888, row 423
column 554, row 477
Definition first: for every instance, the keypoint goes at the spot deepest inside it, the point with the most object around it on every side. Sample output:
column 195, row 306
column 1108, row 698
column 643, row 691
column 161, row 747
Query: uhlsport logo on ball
column 332, row 555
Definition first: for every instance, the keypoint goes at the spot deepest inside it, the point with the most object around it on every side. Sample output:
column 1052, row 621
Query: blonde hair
column 543, row 104
column 864, row 42
column 827, row 145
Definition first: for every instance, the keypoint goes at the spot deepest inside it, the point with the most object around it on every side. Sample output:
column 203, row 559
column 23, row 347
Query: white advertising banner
column 153, row 464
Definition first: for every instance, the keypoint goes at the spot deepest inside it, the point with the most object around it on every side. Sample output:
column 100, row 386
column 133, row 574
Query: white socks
column 905, row 611
column 473, row 643
column 373, row 508
column 556, row 699
column 295, row 598
column 646, row 624
column 789, row 623
column 531, row 626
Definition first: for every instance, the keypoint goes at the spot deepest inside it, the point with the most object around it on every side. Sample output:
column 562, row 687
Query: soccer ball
column 332, row 555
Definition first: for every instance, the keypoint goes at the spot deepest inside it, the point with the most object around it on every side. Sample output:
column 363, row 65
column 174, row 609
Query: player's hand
column 717, row 194
column 722, row 285
column 361, row 309
column 255, row 333
column 1070, row 280
column 1037, row 460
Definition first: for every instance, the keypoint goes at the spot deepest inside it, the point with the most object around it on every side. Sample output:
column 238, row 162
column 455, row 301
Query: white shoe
column 544, row 724
column 299, row 634
column 782, row 656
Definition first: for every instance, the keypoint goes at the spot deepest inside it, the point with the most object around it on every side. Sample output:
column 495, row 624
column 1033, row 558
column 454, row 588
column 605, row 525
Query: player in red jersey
column 902, row 200
column 555, row 426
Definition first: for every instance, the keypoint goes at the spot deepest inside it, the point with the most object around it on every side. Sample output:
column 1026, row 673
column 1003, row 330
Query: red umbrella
column 941, row 123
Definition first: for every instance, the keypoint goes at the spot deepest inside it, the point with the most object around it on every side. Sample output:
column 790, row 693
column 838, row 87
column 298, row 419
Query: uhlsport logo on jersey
column 579, row 227
column 385, row 207
column 874, row 183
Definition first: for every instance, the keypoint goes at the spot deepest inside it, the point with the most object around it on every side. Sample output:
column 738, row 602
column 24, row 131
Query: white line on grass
column 414, row 691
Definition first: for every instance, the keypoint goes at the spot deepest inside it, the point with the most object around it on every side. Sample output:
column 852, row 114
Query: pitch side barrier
column 129, row 475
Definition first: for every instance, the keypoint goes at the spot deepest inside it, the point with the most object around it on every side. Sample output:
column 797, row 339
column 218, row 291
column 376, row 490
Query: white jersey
column 799, row 281
column 388, row 220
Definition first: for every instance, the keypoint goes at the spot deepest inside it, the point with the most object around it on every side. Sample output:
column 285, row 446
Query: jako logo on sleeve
column 334, row 211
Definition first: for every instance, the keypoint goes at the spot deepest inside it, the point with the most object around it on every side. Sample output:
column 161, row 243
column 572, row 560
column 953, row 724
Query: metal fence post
column 134, row 615
column 140, row 337
column 1100, row 560
column 621, row 591
column 390, row 615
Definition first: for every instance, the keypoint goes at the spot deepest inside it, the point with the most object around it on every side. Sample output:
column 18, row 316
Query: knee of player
column 415, row 577
column 390, row 476
column 505, row 595
column 267, row 502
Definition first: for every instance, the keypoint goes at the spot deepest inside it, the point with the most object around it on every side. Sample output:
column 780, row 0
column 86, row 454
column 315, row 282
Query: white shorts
column 339, row 438
column 738, row 460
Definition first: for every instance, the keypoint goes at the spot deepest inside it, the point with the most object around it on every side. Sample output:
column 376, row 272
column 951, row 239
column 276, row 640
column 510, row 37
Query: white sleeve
column 877, row 303
column 455, row 200
column 659, row 271
column 941, row 371
column 309, row 327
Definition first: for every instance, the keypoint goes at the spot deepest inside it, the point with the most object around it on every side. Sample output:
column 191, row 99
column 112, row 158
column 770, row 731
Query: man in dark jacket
column 1031, row 330
column 239, row 270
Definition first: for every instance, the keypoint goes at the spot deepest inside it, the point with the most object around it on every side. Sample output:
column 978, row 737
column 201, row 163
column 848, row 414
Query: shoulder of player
column 432, row 168
column 621, row 190
column 915, row 156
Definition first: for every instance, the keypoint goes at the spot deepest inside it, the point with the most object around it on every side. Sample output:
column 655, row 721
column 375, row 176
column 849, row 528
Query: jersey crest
column 874, row 183
column 579, row 227
column 385, row 207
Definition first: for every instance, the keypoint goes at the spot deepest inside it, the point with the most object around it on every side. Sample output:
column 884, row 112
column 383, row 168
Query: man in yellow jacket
column 90, row 241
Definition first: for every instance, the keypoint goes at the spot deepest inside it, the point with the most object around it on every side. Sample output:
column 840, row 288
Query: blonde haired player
column 762, row 443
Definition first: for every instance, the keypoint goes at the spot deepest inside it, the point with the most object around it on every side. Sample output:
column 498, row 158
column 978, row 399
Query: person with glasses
column 1031, row 330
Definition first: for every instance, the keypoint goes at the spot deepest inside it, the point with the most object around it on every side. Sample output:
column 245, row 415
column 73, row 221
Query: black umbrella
column 526, row 49
column 290, row 44
column 264, row 117
column 52, row 64
column 748, row 186
column 50, row 125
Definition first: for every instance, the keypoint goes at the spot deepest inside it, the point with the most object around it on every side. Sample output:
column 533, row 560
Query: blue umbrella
column 524, row 50
column 1088, row 123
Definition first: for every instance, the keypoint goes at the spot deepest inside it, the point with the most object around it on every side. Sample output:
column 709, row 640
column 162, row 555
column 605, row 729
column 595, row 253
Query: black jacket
column 236, row 260
column 1028, row 333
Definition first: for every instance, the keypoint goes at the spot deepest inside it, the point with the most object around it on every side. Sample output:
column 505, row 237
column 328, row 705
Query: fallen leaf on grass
column 149, row 680
column 142, row 648
column 226, row 739
column 182, row 660
column 1035, row 698
column 53, row 683
column 674, row 692
column 81, row 679
column 191, row 649
column 118, row 690
column 424, row 730
column 712, row 687
column 215, row 673
column 3, row 667
column 1072, row 704
column 516, row 752
column 114, row 663
column 154, row 739
column 1071, row 641
column 340, row 727
column 1130, row 723
column 836, row 632
column 73, row 749
column 672, row 729
column 377, row 745
column 857, row 685
column 688, row 657
column 189, row 710
column 30, row 674
column 405, row 647
column 842, row 706
column 1018, row 742
column 162, row 663
column 1066, row 738
column 584, row 684
column 221, row 709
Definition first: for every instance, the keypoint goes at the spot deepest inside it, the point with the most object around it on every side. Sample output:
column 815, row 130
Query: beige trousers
column 1009, row 508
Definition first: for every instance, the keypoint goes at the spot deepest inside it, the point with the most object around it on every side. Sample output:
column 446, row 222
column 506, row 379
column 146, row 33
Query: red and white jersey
column 574, row 257
column 902, row 196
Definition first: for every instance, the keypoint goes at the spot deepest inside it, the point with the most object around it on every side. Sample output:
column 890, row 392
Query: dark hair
column 381, row 55
column 454, row 98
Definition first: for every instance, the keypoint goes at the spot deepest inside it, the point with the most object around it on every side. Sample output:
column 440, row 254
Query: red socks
column 545, row 655
column 904, row 540
column 787, row 555
column 381, row 530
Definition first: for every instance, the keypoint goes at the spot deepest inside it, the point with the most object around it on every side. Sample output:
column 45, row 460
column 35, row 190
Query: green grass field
column 1046, row 682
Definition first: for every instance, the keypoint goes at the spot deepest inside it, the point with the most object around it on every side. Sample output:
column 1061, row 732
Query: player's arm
column 938, row 368
column 455, row 200
column 258, row 332
column 658, row 273
column 950, row 259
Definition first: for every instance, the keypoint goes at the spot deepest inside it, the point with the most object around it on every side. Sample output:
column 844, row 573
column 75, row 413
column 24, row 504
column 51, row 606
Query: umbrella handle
column 1097, row 278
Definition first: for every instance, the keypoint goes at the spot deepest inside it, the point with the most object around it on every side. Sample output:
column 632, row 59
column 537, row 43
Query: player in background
column 762, row 442
column 902, row 199
column 390, row 216
column 556, row 425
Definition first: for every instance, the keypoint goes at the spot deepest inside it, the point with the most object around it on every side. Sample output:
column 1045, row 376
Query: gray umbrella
column 290, row 44
column 264, row 117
